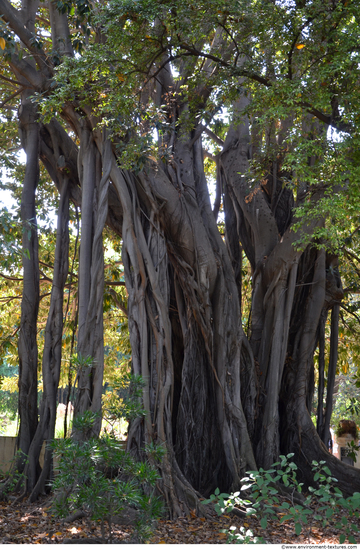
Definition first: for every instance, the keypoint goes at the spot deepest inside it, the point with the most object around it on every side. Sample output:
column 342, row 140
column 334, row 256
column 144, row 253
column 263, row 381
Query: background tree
column 256, row 88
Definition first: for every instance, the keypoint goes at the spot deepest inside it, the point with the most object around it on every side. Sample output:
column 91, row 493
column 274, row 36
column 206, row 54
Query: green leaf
column 285, row 518
column 342, row 539
column 263, row 523
column 329, row 512
column 298, row 528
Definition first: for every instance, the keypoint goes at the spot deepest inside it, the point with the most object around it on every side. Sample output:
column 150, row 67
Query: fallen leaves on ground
column 195, row 530
column 25, row 523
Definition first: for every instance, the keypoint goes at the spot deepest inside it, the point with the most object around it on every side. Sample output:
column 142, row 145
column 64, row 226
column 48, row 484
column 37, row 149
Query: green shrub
column 263, row 500
column 98, row 477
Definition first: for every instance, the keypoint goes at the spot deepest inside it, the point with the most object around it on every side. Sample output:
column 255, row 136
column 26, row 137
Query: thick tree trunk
column 204, row 382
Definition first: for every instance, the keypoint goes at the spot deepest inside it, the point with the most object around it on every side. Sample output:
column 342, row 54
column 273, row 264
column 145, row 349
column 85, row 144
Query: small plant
column 100, row 479
column 319, row 503
column 263, row 500
column 352, row 507
column 85, row 422
column 263, row 493
column 124, row 401
column 82, row 361
column 242, row 536
column 223, row 502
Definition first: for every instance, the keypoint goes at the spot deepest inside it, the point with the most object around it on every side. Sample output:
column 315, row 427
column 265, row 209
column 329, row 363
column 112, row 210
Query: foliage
column 101, row 479
column 242, row 536
column 264, row 502
column 347, row 397
column 124, row 398
column 10, row 237
column 8, row 399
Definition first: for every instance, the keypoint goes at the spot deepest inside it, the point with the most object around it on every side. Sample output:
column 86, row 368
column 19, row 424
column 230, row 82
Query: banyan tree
column 218, row 140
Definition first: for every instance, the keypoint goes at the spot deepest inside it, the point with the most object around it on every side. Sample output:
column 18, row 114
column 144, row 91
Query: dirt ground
column 24, row 523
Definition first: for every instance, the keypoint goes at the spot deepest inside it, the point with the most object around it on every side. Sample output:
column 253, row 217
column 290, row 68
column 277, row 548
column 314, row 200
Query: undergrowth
column 259, row 495
column 98, row 478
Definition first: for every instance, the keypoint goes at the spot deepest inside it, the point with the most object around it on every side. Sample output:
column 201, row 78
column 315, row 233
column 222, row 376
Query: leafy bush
column 319, row 504
column 99, row 478
column 124, row 399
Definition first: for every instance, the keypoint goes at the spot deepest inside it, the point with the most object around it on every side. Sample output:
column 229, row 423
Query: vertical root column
column 27, row 344
column 52, row 353
column 91, row 276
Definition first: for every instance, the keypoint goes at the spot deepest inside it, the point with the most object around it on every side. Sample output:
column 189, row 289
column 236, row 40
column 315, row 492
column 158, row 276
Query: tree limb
column 11, row 80
column 212, row 135
column 11, row 278
column 11, row 15
column 18, row 92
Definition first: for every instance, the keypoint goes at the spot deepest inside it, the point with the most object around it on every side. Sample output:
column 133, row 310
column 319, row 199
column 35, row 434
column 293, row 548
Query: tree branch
column 10, row 15
column 10, row 278
column 34, row 77
column 12, row 81
column 236, row 71
column 212, row 135
column 18, row 92
column 350, row 312
column 209, row 155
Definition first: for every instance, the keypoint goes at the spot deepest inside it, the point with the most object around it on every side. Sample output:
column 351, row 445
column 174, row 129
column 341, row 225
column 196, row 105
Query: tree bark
column 51, row 357
column 321, row 385
column 334, row 338
column 27, row 344
column 91, row 278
